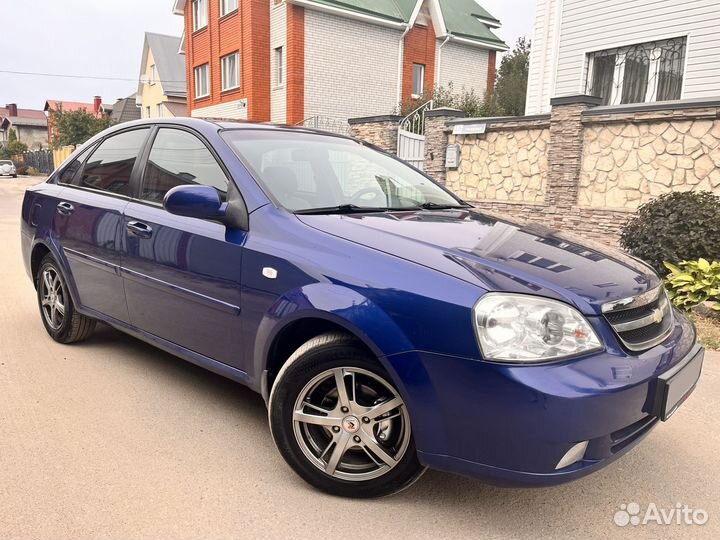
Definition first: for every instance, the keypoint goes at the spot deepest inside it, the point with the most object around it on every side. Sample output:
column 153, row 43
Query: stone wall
column 583, row 168
column 630, row 159
column 508, row 163
column 382, row 131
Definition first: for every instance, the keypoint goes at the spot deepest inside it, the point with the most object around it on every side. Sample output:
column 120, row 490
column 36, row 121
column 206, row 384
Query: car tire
column 359, row 449
column 57, row 311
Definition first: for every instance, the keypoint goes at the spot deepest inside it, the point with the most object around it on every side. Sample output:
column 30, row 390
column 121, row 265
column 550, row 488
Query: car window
column 110, row 166
column 179, row 158
column 69, row 172
column 304, row 171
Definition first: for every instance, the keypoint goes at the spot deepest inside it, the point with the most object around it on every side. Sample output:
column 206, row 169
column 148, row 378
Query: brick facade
column 335, row 66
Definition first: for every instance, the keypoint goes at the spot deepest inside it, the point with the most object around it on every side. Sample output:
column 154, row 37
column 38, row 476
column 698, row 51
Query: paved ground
column 114, row 439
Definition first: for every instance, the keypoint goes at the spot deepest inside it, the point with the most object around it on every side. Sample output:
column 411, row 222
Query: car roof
column 201, row 125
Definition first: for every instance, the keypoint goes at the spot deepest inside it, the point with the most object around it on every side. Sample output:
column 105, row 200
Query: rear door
column 182, row 275
column 88, row 220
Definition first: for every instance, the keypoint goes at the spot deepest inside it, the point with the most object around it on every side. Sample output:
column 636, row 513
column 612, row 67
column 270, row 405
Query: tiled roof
column 462, row 18
column 68, row 106
column 23, row 121
column 23, row 113
column 125, row 110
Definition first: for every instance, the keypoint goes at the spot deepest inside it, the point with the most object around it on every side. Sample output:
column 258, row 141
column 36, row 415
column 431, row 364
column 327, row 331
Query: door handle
column 139, row 229
column 65, row 208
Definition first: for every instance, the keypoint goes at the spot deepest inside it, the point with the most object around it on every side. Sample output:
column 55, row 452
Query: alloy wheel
column 52, row 296
column 351, row 424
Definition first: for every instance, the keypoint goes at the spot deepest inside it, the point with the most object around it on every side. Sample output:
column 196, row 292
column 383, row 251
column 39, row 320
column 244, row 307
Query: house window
column 230, row 71
column 202, row 81
column 147, row 112
column 153, row 74
column 279, row 67
column 639, row 73
column 200, row 14
column 228, row 6
column 160, row 110
column 418, row 80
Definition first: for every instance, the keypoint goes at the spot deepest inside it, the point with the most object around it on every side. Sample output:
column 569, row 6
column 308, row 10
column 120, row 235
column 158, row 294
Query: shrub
column 32, row 171
column 694, row 282
column 675, row 227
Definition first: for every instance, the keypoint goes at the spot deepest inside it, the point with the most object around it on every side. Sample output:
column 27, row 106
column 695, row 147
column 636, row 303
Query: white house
column 625, row 51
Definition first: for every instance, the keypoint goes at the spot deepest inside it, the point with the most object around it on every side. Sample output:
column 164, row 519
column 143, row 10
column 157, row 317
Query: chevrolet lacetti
column 389, row 326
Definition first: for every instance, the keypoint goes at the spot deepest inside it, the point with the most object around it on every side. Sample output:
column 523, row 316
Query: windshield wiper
column 436, row 206
column 340, row 209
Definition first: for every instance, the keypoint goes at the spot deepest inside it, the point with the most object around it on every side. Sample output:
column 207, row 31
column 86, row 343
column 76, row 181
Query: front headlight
column 529, row 329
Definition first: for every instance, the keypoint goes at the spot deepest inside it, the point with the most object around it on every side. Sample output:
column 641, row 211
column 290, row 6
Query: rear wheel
column 340, row 423
column 61, row 320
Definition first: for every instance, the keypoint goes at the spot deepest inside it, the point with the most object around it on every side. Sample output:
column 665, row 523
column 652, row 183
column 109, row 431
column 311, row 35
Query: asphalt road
column 114, row 439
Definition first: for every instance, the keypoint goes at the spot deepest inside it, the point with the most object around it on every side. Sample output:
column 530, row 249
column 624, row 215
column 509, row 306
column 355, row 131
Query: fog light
column 575, row 454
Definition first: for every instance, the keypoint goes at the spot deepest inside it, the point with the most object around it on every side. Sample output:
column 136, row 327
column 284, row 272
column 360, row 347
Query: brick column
column 565, row 151
column 436, row 140
column 382, row 131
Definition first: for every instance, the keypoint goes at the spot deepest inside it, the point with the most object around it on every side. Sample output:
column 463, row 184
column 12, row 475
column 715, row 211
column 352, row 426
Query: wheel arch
column 342, row 311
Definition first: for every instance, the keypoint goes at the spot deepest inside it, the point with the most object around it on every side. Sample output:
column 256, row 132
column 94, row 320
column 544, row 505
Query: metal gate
column 411, row 136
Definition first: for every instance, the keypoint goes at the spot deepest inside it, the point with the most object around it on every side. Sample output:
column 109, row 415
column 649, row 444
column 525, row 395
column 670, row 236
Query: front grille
column 642, row 327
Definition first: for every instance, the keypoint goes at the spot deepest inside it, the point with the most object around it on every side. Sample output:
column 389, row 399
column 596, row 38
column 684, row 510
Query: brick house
column 289, row 60
column 95, row 108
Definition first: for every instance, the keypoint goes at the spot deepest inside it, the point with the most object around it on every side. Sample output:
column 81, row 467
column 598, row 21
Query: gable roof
column 68, row 106
column 23, row 113
column 468, row 19
column 464, row 19
column 125, row 110
column 169, row 63
column 23, row 121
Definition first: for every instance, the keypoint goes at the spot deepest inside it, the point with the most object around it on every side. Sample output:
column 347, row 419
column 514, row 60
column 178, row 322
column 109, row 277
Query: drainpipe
column 401, row 51
column 438, row 62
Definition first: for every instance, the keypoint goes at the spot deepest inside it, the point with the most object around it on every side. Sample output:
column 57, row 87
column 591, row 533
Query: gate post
column 382, row 131
column 436, row 141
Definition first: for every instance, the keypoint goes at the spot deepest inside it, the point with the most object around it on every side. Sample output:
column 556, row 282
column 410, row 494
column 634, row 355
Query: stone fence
column 582, row 167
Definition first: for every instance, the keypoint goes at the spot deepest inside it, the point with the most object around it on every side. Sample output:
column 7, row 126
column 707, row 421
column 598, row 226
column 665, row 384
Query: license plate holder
column 675, row 385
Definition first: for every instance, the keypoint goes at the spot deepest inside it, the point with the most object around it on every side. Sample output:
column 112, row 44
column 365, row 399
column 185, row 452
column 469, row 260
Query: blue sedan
column 390, row 326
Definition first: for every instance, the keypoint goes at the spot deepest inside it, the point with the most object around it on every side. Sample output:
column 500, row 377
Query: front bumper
column 513, row 424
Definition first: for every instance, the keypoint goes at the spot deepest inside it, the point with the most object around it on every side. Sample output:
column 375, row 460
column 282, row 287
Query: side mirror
column 195, row 201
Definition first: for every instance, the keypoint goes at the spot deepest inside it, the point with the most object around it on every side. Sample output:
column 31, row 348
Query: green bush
column 675, row 227
column 694, row 282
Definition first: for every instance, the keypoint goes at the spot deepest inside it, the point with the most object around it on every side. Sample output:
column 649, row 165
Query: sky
column 104, row 38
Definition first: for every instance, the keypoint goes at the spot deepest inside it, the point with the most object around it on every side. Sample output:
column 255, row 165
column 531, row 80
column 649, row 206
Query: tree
column 75, row 127
column 13, row 147
column 512, row 79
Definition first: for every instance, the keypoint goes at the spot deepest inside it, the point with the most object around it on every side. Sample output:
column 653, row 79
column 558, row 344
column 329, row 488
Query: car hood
column 498, row 254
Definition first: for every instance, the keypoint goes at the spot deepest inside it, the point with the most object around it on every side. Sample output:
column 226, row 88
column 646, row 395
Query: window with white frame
column 639, row 73
column 160, row 110
column 279, row 66
column 200, row 14
column 228, row 6
column 418, row 80
column 202, row 81
column 230, row 66
column 153, row 74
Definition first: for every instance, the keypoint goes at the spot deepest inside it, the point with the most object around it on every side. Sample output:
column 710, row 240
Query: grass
column 709, row 330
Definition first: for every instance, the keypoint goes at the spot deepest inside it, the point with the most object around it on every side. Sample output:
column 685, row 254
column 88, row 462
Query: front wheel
column 339, row 422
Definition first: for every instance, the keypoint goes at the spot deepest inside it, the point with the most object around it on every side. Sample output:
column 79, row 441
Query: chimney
column 97, row 101
column 12, row 109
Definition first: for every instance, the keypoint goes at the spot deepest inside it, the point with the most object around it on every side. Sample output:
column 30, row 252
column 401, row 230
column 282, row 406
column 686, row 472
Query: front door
column 182, row 275
column 88, row 220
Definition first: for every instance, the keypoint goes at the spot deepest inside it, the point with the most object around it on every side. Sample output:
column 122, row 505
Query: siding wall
column 278, row 38
column 341, row 83
column 464, row 66
column 591, row 25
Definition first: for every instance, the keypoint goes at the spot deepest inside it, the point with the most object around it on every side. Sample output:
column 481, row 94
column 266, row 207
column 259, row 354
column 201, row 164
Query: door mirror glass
column 195, row 201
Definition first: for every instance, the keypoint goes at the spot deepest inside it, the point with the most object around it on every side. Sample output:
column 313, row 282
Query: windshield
column 4, row 162
column 307, row 173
